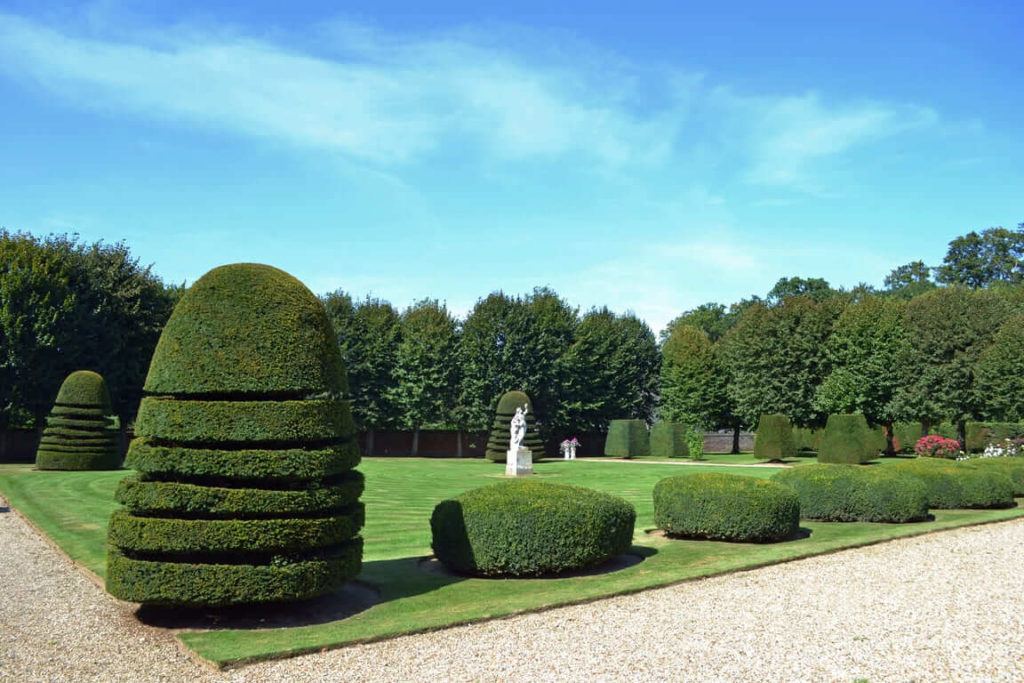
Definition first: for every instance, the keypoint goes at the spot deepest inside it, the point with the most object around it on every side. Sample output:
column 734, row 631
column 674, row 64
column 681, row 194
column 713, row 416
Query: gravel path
column 942, row 607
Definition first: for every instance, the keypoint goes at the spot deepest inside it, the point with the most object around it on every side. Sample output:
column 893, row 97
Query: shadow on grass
column 380, row 581
column 635, row 555
column 800, row 534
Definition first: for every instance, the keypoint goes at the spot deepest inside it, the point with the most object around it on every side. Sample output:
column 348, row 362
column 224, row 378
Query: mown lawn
column 73, row 507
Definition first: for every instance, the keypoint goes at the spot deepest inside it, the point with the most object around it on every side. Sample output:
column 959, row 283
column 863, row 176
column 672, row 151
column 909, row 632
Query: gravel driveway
column 942, row 607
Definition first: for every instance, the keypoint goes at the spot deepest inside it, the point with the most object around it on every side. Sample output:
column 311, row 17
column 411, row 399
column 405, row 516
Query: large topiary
column 245, row 450
column 952, row 487
column 774, row 438
column 668, row 440
column 627, row 439
column 79, row 432
column 850, row 493
column 726, row 507
column 848, row 440
column 497, row 444
column 529, row 528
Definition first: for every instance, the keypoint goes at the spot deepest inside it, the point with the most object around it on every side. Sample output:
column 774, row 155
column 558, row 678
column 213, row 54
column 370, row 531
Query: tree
column 999, row 374
column 863, row 352
column 693, row 385
column 945, row 332
column 909, row 280
column 612, row 371
column 368, row 333
column 425, row 368
column 713, row 319
column 814, row 288
column 776, row 358
column 975, row 261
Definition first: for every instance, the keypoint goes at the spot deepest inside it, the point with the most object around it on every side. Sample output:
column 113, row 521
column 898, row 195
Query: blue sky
column 649, row 159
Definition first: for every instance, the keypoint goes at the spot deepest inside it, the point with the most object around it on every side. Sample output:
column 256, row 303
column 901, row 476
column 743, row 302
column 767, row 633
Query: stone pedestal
column 519, row 463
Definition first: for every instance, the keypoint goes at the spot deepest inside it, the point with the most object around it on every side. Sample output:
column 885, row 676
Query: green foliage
column 905, row 435
column 368, row 333
column 694, row 442
column 726, row 507
column 776, row 358
column 847, row 440
column 530, row 528
column 807, row 439
column 1010, row 466
column 199, row 585
column 241, row 454
column 668, row 440
column 909, row 280
column 946, row 331
column 849, row 493
column 813, row 288
column 693, row 383
column 774, row 438
column 612, row 367
column 627, row 439
column 973, row 260
column 713, row 319
column 500, row 436
column 999, row 373
column 951, row 487
column 78, row 438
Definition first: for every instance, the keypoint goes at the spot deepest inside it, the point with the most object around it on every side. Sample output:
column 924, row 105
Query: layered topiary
column 849, row 493
column 627, row 439
column 774, row 438
column 245, row 449
column 530, row 528
column 726, row 507
column 80, row 432
column 668, row 440
column 848, row 441
column 953, row 487
column 498, row 442
column 1011, row 467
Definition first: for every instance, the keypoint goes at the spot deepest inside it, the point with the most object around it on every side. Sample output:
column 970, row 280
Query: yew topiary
column 848, row 441
column 668, row 440
column 246, row 491
column 497, row 444
column 627, row 439
column 774, row 438
column 80, row 432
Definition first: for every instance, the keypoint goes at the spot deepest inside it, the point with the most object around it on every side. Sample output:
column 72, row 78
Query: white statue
column 517, row 430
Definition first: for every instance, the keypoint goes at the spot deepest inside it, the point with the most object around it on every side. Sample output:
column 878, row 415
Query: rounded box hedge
column 627, row 439
column 848, row 440
column 851, row 493
column 244, row 448
column 79, row 433
column 725, row 507
column 499, row 439
column 774, row 438
column 954, row 487
column 530, row 528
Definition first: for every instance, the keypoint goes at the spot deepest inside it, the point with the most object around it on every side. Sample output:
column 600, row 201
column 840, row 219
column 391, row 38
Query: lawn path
column 692, row 463
column 945, row 606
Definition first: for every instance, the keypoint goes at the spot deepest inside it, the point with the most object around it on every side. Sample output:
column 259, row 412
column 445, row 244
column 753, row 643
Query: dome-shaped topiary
column 773, row 439
column 848, row 440
column 726, row 507
column 529, row 528
column 79, row 432
column 498, row 442
column 245, row 449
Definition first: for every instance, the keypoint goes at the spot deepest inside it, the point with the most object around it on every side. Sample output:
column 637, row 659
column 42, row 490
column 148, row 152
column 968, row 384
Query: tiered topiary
column 774, row 438
column 530, row 528
column 79, row 432
column 246, row 492
column 850, row 493
column 627, row 439
column 497, row 444
column 848, row 441
column 952, row 487
column 726, row 507
column 668, row 440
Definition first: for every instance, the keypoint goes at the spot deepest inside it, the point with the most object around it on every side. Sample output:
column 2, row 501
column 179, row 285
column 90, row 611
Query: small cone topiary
column 848, row 441
column 246, row 492
column 79, row 432
column 774, row 438
column 668, row 440
column 627, row 439
column 497, row 444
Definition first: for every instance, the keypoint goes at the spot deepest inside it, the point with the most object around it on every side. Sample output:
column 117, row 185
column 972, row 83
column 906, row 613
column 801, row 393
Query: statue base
column 519, row 463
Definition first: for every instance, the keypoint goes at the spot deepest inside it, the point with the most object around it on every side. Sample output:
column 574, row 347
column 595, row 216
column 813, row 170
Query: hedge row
column 952, row 487
column 627, row 439
column 850, row 493
column 1011, row 467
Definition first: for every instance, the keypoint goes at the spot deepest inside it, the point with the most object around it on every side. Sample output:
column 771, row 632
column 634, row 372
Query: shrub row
column 849, row 493
column 950, row 486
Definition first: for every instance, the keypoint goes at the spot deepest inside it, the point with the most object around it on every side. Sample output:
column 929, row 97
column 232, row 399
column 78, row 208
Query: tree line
column 940, row 343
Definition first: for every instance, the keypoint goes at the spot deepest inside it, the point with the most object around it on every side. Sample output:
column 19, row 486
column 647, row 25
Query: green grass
column 73, row 507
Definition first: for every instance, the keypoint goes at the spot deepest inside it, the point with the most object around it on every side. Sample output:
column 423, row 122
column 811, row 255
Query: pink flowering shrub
column 935, row 446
